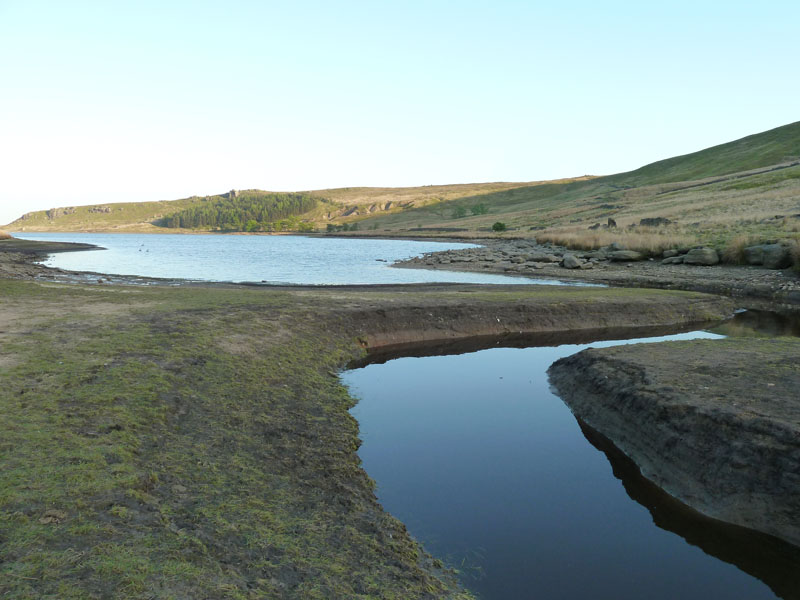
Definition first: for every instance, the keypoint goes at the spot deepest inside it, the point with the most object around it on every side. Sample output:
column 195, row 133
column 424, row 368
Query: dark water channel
column 493, row 474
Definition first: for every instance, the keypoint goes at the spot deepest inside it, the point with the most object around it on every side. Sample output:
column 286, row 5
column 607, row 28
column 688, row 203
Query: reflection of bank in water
column 772, row 560
column 761, row 323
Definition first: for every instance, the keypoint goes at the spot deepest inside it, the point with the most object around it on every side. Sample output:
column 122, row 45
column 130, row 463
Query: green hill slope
column 772, row 147
column 329, row 206
column 749, row 187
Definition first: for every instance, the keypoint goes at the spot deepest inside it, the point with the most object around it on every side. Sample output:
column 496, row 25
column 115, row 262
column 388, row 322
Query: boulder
column 570, row 262
column 654, row 222
column 670, row 253
column 776, row 256
column 701, row 256
column 625, row 255
column 518, row 259
column 672, row 260
column 754, row 255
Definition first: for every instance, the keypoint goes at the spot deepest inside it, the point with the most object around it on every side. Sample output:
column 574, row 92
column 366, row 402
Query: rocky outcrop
column 570, row 262
column 54, row 213
column 715, row 423
column 776, row 256
column 771, row 256
column 701, row 256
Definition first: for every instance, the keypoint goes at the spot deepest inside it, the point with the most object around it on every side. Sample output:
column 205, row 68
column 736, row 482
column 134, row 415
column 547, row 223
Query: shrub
column 459, row 212
column 479, row 209
column 499, row 226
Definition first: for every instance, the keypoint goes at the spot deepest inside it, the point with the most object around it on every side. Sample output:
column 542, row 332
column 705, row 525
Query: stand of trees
column 247, row 212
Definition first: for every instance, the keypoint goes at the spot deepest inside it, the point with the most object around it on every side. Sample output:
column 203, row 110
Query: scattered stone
column 670, row 253
column 625, row 255
column 672, row 260
column 701, row 256
column 570, row 261
column 611, row 223
column 518, row 259
column 587, row 265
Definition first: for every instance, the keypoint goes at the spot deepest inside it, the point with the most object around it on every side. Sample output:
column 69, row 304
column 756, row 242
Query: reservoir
column 280, row 259
column 493, row 474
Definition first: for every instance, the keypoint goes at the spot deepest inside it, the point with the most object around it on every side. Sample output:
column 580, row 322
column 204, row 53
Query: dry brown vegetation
column 4, row 235
column 647, row 240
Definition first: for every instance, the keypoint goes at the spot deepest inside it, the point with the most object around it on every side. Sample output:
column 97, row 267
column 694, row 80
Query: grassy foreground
column 196, row 443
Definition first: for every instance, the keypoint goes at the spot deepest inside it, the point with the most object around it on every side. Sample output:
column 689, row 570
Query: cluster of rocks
column 695, row 256
column 769, row 256
column 521, row 256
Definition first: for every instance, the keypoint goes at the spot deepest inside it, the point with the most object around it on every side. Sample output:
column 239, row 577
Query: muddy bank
column 38, row 248
column 475, row 315
column 751, row 286
column 715, row 423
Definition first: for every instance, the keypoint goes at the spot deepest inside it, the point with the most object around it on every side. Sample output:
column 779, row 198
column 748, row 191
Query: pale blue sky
column 123, row 101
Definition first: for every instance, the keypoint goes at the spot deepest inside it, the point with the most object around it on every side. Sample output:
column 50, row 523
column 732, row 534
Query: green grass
column 778, row 145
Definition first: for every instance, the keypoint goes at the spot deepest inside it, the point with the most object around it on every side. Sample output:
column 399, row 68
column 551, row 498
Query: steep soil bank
column 715, row 423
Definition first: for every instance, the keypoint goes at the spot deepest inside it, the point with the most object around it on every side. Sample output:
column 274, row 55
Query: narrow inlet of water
column 491, row 472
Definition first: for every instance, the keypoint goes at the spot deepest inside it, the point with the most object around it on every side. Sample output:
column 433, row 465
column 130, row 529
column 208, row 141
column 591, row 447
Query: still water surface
column 271, row 259
column 490, row 471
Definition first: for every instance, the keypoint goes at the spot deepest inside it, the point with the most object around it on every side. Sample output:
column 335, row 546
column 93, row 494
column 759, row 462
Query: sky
column 120, row 101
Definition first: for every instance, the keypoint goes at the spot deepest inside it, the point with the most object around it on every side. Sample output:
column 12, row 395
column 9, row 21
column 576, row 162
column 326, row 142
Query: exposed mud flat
column 715, row 423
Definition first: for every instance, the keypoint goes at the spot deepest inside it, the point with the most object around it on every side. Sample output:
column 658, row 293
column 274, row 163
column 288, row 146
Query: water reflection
column 770, row 559
column 488, row 469
column 760, row 323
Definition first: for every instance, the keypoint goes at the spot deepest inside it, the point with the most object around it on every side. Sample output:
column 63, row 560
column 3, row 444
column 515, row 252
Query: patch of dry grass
column 648, row 241
column 734, row 250
column 4, row 235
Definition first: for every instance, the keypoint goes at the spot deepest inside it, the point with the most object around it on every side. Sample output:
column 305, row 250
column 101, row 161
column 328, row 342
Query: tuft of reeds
column 733, row 252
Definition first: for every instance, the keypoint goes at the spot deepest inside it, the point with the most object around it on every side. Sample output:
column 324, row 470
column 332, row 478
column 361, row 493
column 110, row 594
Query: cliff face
column 715, row 423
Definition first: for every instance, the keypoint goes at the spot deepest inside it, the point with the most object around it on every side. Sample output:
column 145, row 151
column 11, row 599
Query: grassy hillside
column 780, row 145
column 121, row 217
column 749, row 188
column 338, row 206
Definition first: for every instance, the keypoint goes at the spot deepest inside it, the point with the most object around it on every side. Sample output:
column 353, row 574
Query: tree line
column 246, row 212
